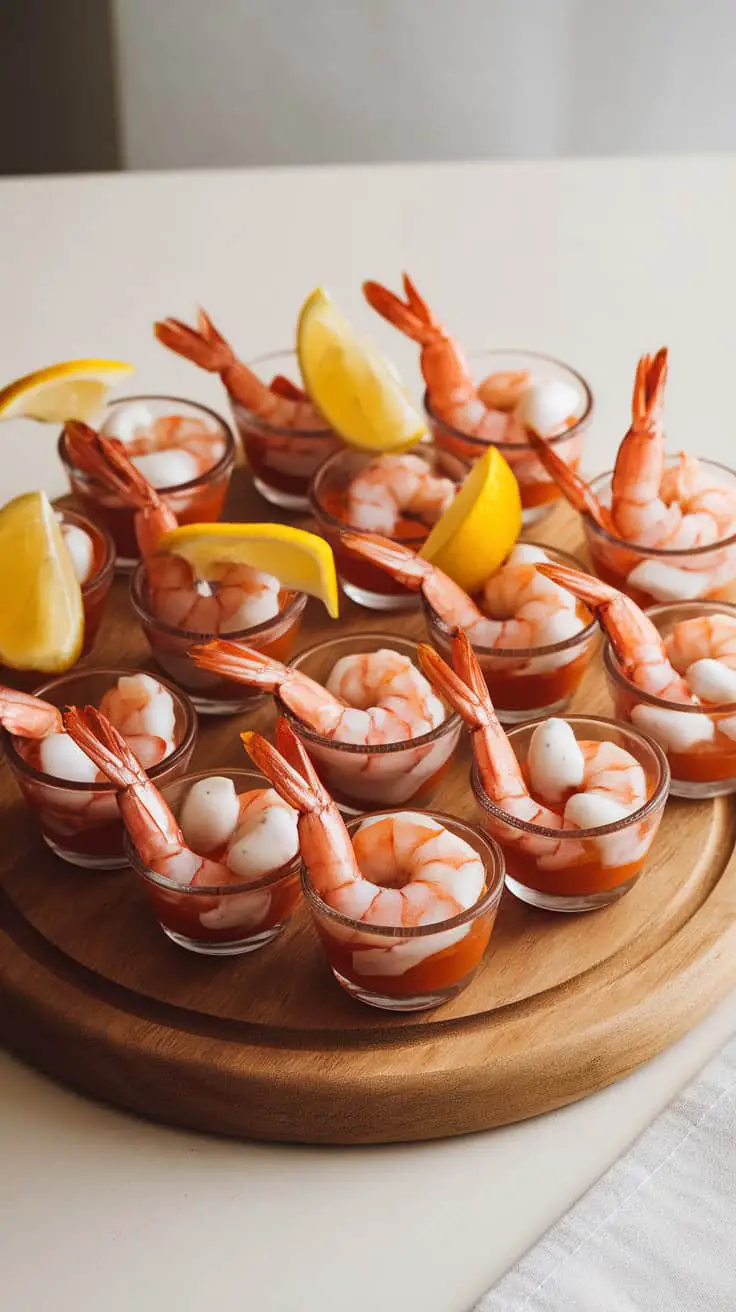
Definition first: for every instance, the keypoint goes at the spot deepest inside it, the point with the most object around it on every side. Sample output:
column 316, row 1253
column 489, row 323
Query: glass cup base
column 86, row 860
column 532, row 713
column 385, row 601
column 234, row 948
column 700, row 790
column 568, row 902
column 386, row 1002
column 286, row 500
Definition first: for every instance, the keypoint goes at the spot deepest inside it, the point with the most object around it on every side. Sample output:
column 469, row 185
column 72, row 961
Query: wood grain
column 269, row 1047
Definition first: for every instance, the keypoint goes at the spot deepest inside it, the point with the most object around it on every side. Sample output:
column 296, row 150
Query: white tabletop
column 593, row 262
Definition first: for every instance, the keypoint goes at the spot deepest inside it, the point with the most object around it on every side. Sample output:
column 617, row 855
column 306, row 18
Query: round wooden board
column 269, row 1047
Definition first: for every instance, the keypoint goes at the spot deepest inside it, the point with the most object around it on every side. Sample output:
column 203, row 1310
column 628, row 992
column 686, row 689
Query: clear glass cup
column 650, row 575
column 282, row 461
column 198, row 501
column 364, row 583
column 94, row 595
column 417, row 968
column 526, row 682
column 358, row 777
column 225, row 920
column 699, row 744
column 78, row 821
column 579, row 869
column 212, row 694
column 538, row 490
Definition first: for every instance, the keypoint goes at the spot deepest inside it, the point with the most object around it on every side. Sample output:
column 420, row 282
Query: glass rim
column 221, row 466
column 657, row 798
column 451, row 721
column 539, row 356
column 661, row 553
column 343, row 525
column 613, row 669
column 139, row 581
column 493, row 861
column 185, row 744
column 522, row 653
column 93, row 530
column 277, row 429
column 257, row 780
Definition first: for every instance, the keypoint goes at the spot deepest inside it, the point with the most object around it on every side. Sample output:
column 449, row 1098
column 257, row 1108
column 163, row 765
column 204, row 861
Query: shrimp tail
column 83, row 445
column 290, row 783
column 412, row 316
column 401, row 563
column 627, row 627
column 26, row 716
column 282, row 386
column 101, row 742
column 649, row 384
column 207, row 348
column 453, row 685
column 573, row 487
column 240, row 663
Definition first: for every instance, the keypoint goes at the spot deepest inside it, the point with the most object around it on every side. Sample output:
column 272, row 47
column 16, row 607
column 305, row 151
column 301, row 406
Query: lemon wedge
column 299, row 560
column 41, row 611
column 356, row 390
column 74, row 389
column 477, row 532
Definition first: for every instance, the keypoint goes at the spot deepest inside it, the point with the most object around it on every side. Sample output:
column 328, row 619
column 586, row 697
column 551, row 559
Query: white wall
column 205, row 82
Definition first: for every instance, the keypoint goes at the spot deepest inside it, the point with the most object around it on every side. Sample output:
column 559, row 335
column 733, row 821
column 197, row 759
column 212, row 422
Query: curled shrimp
column 404, row 869
column 281, row 405
column 393, row 486
column 703, row 650
column 529, row 612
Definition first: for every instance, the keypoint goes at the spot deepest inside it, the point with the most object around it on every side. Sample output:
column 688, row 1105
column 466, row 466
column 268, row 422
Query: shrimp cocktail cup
column 672, row 673
column 399, row 496
column 217, row 854
column 494, row 399
column 369, row 720
column 659, row 528
column 404, row 902
column 74, row 803
column 574, row 804
column 185, row 451
column 284, row 437
column 179, row 606
column 533, row 641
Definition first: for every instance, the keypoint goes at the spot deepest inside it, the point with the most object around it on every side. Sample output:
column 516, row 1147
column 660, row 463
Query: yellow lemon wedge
column 356, row 390
column 74, row 389
column 478, row 530
column 299, row 560
column 41, row 611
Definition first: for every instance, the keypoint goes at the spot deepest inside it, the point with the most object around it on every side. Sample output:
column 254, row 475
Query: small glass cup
column 527, row 682
column 212, row 694
column 653, row 574
column 94, row 595
column 579, row 869
column 198, row 501
column 80, row 822
column 282, row 461
column 364, row 583
column 699, row 742
column 411, row 969
column 393, row 774
column 224, row 920
column 538, row 490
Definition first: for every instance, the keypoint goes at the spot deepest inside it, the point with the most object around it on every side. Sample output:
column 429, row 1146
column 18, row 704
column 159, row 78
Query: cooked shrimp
column 142, row 710
column 502, row 407
column 703, row 650
column 232, row 598
column 370, row 699
column 393, row 486
column 26, row 716
column 153, row 828
column 403, row 869
column 169, row 449
column 524, row 612
column 638, row 645
column 275, row 405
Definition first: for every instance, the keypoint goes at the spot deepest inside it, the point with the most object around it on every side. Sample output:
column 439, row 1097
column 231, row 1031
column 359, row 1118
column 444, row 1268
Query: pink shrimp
column 26, row 716
column 280, row 405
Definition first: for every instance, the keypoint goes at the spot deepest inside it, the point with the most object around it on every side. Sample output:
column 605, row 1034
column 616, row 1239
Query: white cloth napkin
column 657, row 1233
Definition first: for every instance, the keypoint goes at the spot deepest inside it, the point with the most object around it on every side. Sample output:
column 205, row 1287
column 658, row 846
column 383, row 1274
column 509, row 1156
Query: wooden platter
column 269, row 1047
